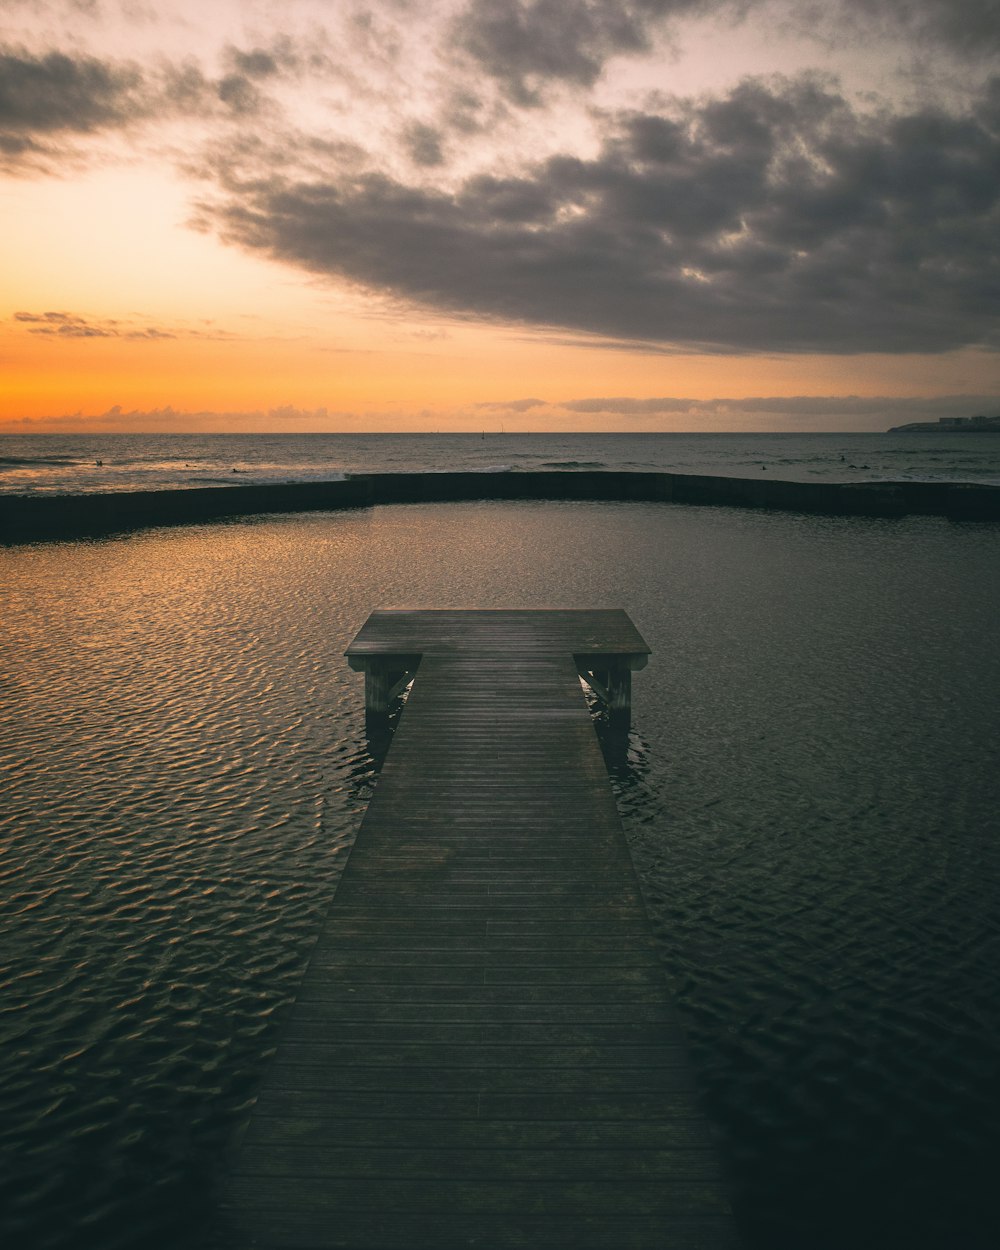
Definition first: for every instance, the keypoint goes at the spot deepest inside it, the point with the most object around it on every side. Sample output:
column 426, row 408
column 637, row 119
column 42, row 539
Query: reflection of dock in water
column 483, row 1051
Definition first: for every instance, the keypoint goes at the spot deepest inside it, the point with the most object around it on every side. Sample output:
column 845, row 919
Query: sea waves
column 100, row 463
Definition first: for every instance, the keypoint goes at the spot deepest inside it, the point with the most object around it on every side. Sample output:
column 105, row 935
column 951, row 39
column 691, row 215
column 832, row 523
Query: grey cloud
column 169, row 418
column 523, row 44
column 464, row 111
column 517, row 405
column 241, row 89
column 257, row 63
column 526, row 45
column 968, row 27
column 57, row 92
column 424, row 144
column 282, row 58
column 239, row 94
column 183, row 89
column 774, row 218
column 48, row 318
column 50, row 102
column 65, row 325
column 15, row 145
column 72, row 331
column 805, row 406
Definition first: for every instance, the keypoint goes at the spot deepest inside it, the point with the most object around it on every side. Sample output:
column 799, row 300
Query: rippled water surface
column 69, row 463
column 811, row 795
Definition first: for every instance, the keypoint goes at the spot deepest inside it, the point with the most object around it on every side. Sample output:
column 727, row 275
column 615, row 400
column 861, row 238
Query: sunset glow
column 417, row 217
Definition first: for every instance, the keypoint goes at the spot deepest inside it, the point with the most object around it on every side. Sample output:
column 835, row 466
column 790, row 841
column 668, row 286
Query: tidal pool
column 810, row 793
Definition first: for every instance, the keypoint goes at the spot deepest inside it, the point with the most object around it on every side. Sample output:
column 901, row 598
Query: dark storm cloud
column 773, row 218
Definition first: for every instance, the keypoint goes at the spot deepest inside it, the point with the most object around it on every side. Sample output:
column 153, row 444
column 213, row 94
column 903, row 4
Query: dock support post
column 619, row 687
column 384, row 680
column 613, row 686
column 377, row 686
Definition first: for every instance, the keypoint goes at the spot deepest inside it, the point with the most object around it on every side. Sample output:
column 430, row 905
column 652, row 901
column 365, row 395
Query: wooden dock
column 483, row 1052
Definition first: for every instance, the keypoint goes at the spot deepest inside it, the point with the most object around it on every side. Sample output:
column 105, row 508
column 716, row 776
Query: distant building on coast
column 948, row 425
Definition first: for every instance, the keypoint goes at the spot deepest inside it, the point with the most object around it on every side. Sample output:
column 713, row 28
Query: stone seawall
column 25, row 517
column 29, row 517
column 833, row 498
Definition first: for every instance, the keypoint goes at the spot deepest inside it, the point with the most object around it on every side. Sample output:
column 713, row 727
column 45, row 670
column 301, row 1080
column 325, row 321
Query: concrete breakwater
column 30, row 517
column 27, row 517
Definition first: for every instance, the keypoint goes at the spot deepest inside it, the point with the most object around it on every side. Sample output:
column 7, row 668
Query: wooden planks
column 483, row 1052
column 606, row 645
column 485, row 632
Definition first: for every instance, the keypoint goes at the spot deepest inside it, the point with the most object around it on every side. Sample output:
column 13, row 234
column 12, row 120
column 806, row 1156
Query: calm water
column 811, row 796
column 66, row 463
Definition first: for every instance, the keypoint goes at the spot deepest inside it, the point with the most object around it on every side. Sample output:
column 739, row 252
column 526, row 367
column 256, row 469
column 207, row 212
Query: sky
column 472, row 214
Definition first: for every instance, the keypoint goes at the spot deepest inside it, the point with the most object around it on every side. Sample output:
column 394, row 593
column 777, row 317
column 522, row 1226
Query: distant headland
column 951, row 425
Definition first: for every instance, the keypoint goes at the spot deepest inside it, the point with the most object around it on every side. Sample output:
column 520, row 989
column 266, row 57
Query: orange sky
column 117, row 312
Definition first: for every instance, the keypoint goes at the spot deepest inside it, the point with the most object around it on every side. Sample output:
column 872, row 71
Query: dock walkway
column 483, row 1052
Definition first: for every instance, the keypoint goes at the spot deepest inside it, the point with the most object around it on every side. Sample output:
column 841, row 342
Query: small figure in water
column 99, row 463
column 763, row 468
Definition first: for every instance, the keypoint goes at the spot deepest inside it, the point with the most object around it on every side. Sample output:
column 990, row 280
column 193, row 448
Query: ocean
column 65, row 463
column 810, row 794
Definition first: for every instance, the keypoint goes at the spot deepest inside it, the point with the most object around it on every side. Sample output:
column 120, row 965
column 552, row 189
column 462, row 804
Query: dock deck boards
column 483, row 1052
